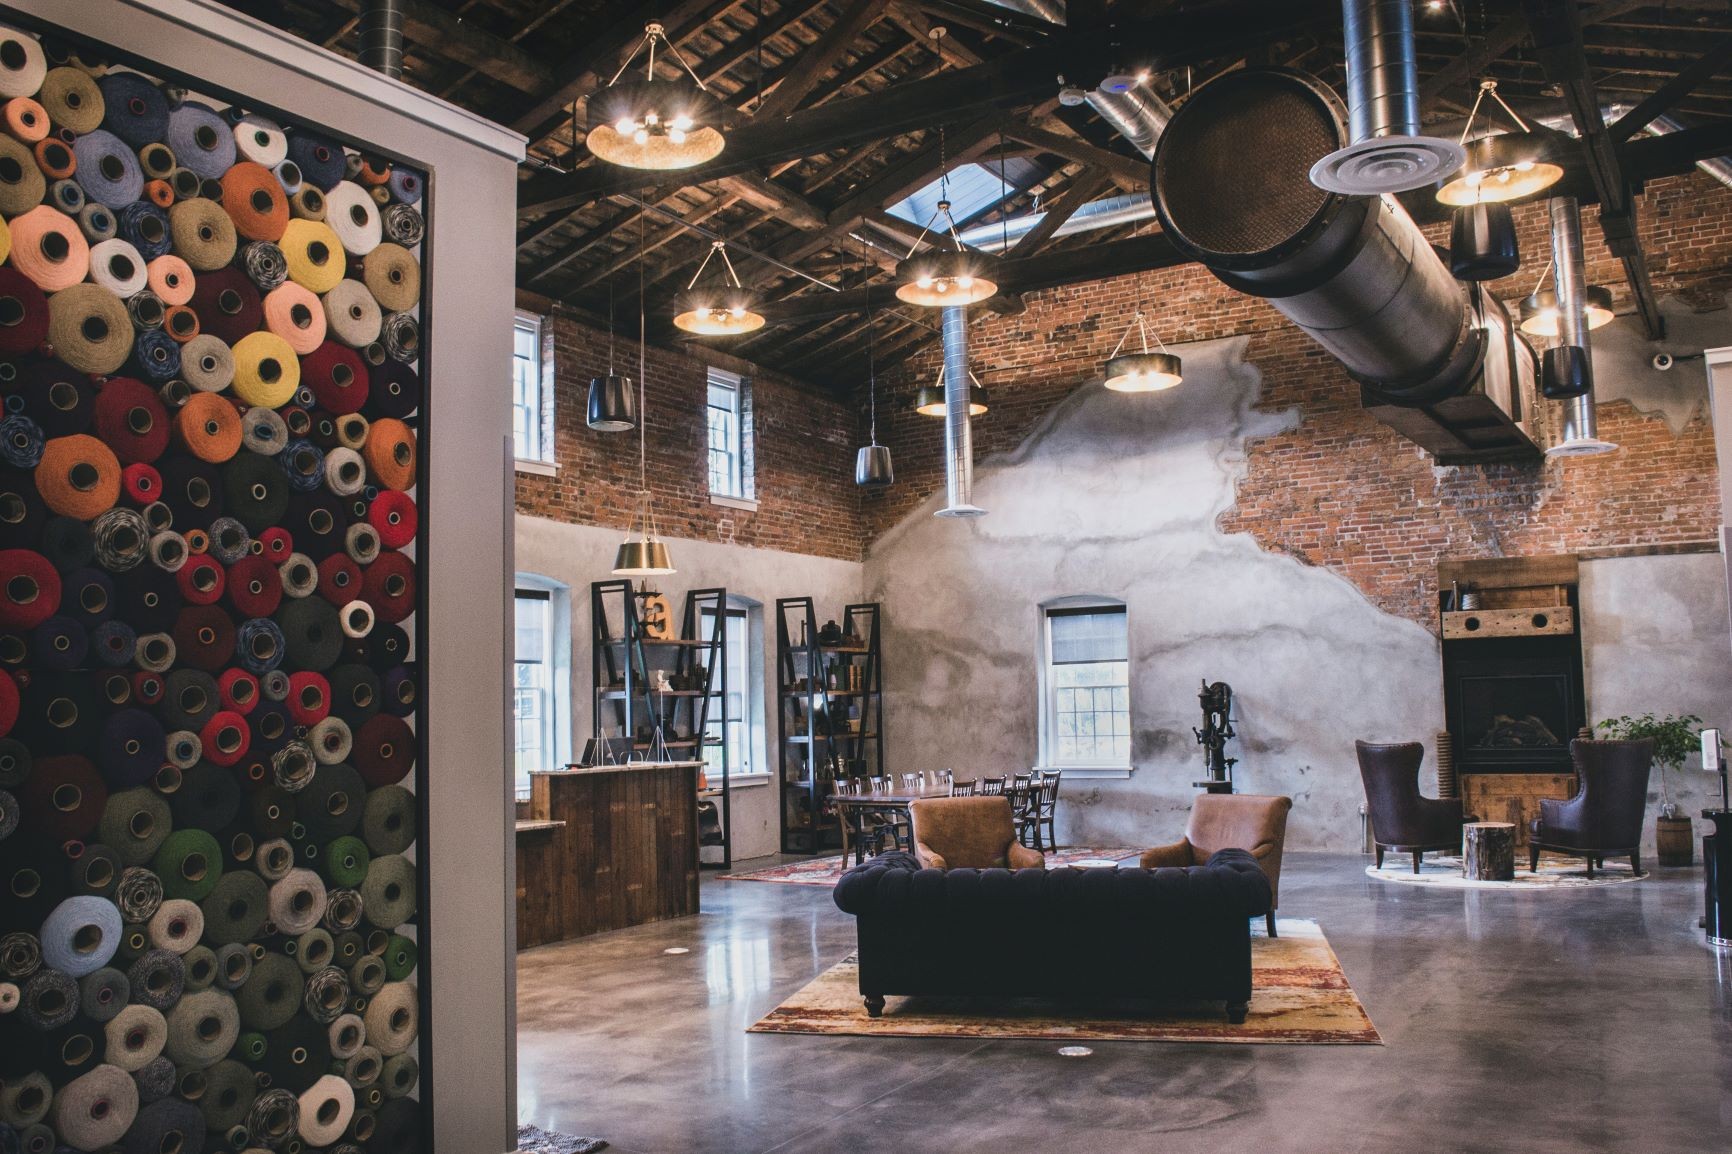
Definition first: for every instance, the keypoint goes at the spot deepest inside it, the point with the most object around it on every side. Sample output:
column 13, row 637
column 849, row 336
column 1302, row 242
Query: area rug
column 1299, row 997
column 535, row 1140
column 823, row 871
column 1555, row 873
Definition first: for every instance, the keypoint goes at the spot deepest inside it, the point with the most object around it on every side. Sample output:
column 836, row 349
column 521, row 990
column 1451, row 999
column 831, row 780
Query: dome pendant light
column 612, row 407
column 1502, row 166
column 642, row 553
column 929, row 399
column 941, row 277
column 1482, row 242
column 1539, row 309
column 656, row 124
column 724, row 310
column 872, row 469
column 1143, row 372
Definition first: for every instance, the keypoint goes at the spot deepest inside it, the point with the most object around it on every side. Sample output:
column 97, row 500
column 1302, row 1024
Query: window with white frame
column 739, row 710
column 727, row 422
column 531, row 392
column 536, row 679
column 1086, row 717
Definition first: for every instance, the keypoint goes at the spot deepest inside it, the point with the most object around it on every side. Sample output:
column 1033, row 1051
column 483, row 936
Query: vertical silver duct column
column 382, row 37
column 1580, row 432
column 958, row 425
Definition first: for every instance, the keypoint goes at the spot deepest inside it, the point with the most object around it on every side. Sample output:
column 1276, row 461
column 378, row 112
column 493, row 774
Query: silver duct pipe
column 958, row 425
column 1580, row 427
column 1052, row 11
column 382, row 37
column 1719, row 167
column 1138, row 115
column 1108, row 212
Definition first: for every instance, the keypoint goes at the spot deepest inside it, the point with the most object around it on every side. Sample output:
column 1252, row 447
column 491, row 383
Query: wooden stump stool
column 1490, row 855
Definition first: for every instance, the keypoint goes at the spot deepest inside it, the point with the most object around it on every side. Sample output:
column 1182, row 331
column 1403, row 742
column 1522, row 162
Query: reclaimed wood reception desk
column 607, row 847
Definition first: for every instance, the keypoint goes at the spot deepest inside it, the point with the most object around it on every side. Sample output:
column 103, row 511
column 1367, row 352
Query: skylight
column 974, row 191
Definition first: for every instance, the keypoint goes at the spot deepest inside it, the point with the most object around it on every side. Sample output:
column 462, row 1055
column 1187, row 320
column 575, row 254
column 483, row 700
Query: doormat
column 1300, row 996
column 823, row 871
column 535, row 1140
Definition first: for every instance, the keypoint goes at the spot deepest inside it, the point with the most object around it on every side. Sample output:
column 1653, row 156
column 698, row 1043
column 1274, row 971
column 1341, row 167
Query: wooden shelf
column 615, row 693
column 802, row 739
column 669, row 642
column 826, row 693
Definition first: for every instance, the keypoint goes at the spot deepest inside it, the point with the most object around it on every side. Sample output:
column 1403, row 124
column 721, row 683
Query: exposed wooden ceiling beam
column 1085, row 187
column 761, row 192
column 1126, row 170
column 1668, row 94
column 815, row 61
column 434, row 29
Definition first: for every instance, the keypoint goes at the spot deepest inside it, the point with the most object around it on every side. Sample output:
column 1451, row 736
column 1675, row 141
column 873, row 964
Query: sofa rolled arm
column 1177, row 854
column 929, row 858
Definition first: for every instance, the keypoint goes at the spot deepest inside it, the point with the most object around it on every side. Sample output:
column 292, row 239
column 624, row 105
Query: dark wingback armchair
column 1251, row 822
column 1604, row 819
column 1403, row 819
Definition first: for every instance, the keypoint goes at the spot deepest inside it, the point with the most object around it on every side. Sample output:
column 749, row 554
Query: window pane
column 1088, row 636
column 532, row 682
column 526, row 390
column 1088, row 682
column 724, row 420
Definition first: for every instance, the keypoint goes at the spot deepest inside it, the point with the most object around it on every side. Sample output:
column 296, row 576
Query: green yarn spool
column 272, row 995
column 134, row 824
column 388, row 893
column 201, row 968
column 388, row 822
column 234, row 910
column 400, row 958
column 230, row 1089
column 313, row 950
column 250, row 1046
column 346, row 861
column 190, row 863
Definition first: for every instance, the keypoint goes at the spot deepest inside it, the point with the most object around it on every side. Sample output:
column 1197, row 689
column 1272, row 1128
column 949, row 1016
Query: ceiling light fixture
column 657, row 124
column 612, row 406
column 1500, row 166
column 872, row 468
column 1143, row 372
column 942, row 277
column 642, row 553
column 1539, row 309
column 929, row 399
column 719, row 310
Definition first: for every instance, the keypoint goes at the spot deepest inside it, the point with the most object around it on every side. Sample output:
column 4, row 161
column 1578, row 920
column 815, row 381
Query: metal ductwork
column 1052, row 11
column 1136, row 114
column 1573, row 355
column 1387, row 153
column 958, row 425
column 1108, row 212
column 381, row 27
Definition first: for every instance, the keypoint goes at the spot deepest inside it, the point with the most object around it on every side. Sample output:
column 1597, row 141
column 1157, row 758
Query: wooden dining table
column 853, row 808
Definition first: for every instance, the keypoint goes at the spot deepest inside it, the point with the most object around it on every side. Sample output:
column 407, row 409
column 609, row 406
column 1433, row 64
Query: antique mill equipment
column 1217, row 702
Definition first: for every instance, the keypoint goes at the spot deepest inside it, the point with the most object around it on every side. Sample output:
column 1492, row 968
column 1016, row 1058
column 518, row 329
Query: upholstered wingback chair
column 968, row 833
column 1220, row 821
column 1604, row 819
column 1403, row 819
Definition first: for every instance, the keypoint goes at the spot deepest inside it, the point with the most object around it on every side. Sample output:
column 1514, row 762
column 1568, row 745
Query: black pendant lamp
column 1142, row 372
column 612, row 405
column 872, row 469
column 643, row 553
column 1482, row 242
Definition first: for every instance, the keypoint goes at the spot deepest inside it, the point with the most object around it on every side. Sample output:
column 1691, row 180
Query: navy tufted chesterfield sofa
column 1172, row 933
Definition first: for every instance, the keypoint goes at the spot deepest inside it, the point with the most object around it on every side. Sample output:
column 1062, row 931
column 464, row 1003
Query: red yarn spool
column 384, row 751
column 309, row 699
column 389, row 587
column 201, row 580
column 204, row 638
column 275, row 544
column 23, row 314
column 141, row 483
column 8, row 703
column 339, row 579
column 395, row 518
column 227, row 304
column 226, row 738
column 239, row 689
column 29, row 589
column 338, row 377
column 255, row 588
column 131, row 420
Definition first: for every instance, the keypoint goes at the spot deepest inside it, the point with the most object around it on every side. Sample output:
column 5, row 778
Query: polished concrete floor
column 1557, row 1021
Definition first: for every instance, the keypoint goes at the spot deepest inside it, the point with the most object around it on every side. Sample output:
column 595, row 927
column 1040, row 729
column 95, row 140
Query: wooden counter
column 607, row 847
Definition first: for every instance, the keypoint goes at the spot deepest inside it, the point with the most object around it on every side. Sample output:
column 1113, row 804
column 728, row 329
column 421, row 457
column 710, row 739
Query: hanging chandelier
column 642, row 553
column 657, row 124
column 1143, row 372
column 942, row 277
column 720, row 310
column 1502, row 165
column 612, row 405
column 1540, row 316
column 929, row 399
column 872, row 469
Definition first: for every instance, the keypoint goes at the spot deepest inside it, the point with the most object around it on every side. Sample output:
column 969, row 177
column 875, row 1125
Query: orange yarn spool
column 172, row 279
column 25, row 119
column 209, row 427
column 49, row 248
column 160, row 192
column 181, row 323
column 197, row 542
column 54, row 157
column 78, row 476
column 255, row 201
column 374, row 172
column 390, row 453
column 297, row 315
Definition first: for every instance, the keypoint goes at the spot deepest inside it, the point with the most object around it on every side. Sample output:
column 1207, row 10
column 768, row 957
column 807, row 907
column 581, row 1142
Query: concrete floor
column 1560, row 1021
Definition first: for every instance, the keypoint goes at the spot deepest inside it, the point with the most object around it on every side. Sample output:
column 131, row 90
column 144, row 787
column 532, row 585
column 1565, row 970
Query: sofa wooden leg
column 874, row 1006
column 1379, row 857
column 1590, row 865
column 1636, row 863
column 1271, row 918
column 1236, row 1012
column 1533, row 859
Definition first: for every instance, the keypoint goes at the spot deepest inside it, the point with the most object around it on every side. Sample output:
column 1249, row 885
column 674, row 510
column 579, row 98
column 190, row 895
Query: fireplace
column 1513, row 704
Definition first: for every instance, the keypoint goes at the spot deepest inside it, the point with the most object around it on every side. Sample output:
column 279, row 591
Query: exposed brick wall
column 1341, row 490
column 802, row 452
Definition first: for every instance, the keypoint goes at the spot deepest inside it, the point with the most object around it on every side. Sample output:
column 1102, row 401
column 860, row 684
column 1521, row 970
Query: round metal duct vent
column 1387, row 164
column 1232, row 173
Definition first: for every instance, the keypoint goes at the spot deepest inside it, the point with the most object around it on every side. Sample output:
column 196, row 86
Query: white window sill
column 1084, row 772
column 741, row 780
column 749, row 504
column 539, row 468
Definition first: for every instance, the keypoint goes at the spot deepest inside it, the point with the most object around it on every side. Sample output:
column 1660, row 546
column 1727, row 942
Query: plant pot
column 1675, row 839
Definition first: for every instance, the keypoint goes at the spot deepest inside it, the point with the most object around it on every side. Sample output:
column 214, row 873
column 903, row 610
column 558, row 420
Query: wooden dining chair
column 991, row 787
column 964, row 788
column 914, row 780
column 1037, row 818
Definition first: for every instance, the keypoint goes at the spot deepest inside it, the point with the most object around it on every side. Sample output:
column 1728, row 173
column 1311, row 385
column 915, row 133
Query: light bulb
column 625, row 126
column 1475, row 177
column 652, row 118
column 943, row 285
column 677, row 136
column 965, row 281
column 682, row 123
column 738, row 310
column 641, row 136
column 924, row 282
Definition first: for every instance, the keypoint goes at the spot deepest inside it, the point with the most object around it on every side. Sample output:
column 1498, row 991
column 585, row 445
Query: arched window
column 1085, row 684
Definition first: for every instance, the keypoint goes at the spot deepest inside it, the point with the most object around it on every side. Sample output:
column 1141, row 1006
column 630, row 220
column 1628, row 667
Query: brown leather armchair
column 1604, row 819
column 969, row 833
column 1231, row 821
column 1403, row 819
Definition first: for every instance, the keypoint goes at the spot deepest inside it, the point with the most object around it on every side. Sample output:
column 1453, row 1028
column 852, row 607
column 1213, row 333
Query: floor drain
column 1074, row 1051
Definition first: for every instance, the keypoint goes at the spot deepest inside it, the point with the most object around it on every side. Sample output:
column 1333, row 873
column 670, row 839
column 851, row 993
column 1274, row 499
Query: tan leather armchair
column 1246, row 821
column 969, row 833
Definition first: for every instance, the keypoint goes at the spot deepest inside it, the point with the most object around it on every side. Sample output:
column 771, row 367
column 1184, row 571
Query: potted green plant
column 1675, row 739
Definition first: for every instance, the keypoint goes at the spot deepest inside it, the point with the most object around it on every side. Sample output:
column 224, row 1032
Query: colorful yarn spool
column 97, row 1108
column 130, row 419
column 384, row 751
column 403, row 224
column 90, row 330
column 309, row 699
column 108, row 169
column 261, row 141
column 146, row 312
column 314, row 255
column 406, row 186
column 255, row 201
column 204, row 638
column 78, row 477
column 229, row 541
column 171, row 278
column 114, row 642
column 181, row 324
column 228, row 305
column 308, row 204
column 25, row 119
column 240, row 692
column 338, row 377
column 134, row 109
column 263, row 431
column 352, row 315
column 22, row 182
column 393, row 276
column 81, row 935
column 48, row 247
column 116, row 266
column 339, row 579
column 131, row 747
column 120, row 540
column 201, row 580
column 209, row 427
column 72, row 100
column 354, row 217
column 157, row 977
column 226, row 738
column 22, row 64
column 156, row 355
column 255, row 491
column 202, row 234
column 23, row 314
column 207, row 364
column 147, row 227
column 21, row 442
column 396, row 390
column 394, row 515
column 297, row 316
column 265, row 264
column 267, row 372
column 390, row 453
column 201, row 140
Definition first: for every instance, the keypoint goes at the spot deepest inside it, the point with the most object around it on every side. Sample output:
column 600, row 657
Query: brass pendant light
column 1501, row 166
column 612, row 405
column 718, row 310
column 1143, row 372
column 941, row 277
column 642, row 553
column 929, row 399
column 1539, row 309
column 872, row 468
column 656, row 124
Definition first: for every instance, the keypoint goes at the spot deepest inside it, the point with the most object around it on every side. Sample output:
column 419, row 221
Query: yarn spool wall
column 211, row 332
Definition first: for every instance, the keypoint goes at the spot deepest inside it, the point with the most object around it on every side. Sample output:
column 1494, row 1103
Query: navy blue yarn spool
column 131, row 748
column 320, row 158
column 145, row 227
column 133, row 109
column 113, row 644
column 21, row 441
column 157, row 356
column 59, row 643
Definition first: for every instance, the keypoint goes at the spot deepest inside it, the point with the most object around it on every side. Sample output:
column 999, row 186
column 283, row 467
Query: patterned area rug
column 535, row 1140
column 823, row 871
column 1299, row 997
column 1555, row 873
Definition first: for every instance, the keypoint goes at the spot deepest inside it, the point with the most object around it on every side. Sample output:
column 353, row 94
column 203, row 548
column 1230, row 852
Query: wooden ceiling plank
column 1125, row 170
column 820, row 57
column 1668, row 94
column 1086, row 187
column 433, row 29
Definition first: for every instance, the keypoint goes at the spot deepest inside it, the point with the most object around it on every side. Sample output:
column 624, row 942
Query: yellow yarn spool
column 267, row 372
column 5, row 240
column 314, row 255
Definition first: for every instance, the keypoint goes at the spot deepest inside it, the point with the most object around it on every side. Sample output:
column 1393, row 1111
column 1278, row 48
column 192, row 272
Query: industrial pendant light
column 872, row 468
column 657, row 124
column 1482, row 242
column 1502, row 166
column 723, row 309
column 642, row 553
column 929, row 399
column 612, row 407
column 1143, row 372
column 941, row 277
column 1539, row 309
